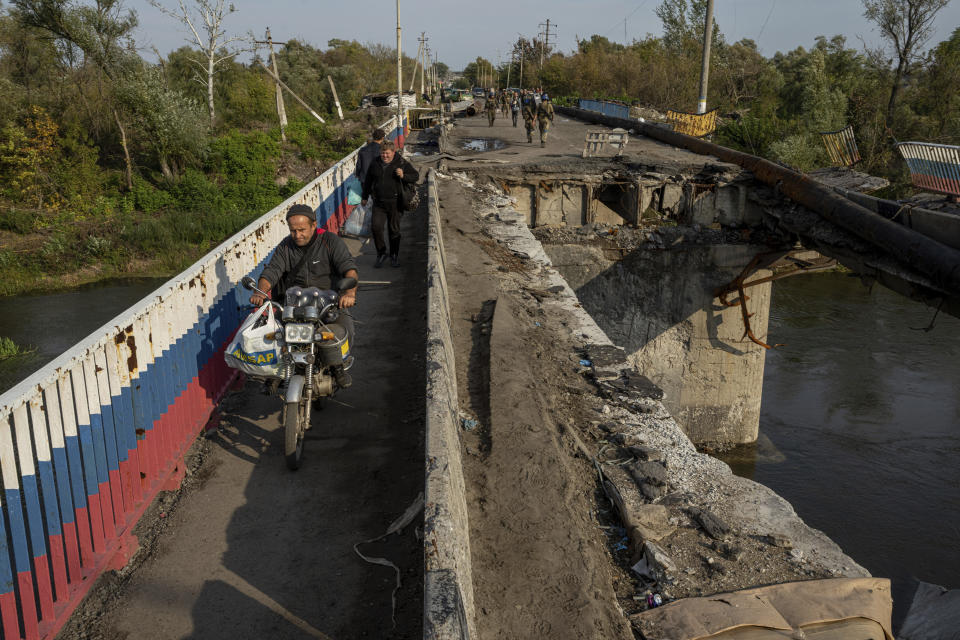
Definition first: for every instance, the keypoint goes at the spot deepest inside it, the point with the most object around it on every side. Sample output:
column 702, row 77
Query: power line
column 627, row 17
column 769, row 13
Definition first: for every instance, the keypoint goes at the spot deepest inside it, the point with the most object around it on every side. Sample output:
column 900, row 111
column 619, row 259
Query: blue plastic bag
column 354, row 194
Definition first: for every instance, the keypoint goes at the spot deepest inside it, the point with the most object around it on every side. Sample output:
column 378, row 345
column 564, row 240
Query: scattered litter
column 654, row 600
column 469, row 423
column 537, row 324
column 642, row 569
column 586, row 363
column 395, row 527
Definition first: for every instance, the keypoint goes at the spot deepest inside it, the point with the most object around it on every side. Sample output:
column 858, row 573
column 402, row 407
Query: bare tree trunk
column 165, row 169
column 126, row 150
column 894, row 90
column 210, row 62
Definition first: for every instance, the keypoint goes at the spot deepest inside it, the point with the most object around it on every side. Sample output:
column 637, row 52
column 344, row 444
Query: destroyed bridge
column 570, row 324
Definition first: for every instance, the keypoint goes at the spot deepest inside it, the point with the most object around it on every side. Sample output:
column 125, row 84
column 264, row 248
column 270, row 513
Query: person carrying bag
column 391, row 181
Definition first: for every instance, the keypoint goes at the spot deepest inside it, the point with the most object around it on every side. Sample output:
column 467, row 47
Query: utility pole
column 545, row 40
column 705, row 63
column 281, row 111
column 336, row 99
column 523, row 52
column 277, row 79
column 399, row 74
column 416, row 64
column 510, row 68
column 423, row 59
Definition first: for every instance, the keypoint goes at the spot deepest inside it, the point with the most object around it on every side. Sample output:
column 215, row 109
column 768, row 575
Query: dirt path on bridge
column 249, row 549
column 540, row 561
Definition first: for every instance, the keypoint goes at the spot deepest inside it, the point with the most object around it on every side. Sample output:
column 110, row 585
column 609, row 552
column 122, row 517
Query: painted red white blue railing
column 88, row 441
column 934, row 167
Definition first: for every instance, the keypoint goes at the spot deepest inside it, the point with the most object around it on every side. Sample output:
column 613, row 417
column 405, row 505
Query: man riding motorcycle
column 311, row 257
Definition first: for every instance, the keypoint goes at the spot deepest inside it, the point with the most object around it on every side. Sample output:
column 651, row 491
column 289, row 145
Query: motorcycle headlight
column 298, row 333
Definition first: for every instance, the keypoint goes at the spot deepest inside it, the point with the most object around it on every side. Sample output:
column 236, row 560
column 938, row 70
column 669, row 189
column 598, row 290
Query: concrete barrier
column 89, row 440
column 448, row 582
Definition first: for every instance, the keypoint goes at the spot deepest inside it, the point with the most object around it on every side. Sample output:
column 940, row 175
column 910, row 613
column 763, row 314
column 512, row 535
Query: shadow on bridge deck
column 257, row 551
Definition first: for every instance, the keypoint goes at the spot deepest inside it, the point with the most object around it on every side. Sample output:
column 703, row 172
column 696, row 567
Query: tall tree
column 683, row 24
column 206, row 27
column 906, row 25
column 101, row 30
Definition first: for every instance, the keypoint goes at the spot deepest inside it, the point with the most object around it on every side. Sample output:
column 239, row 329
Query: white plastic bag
column 358, row 225
column 254, row 350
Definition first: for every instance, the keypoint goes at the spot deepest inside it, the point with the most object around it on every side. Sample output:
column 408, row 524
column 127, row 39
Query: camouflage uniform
column 529, row 115
column 544, row 117
column 491, row 108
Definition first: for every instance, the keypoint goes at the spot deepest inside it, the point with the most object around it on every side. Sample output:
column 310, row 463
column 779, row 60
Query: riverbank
column 47, row 324
column 24, row 274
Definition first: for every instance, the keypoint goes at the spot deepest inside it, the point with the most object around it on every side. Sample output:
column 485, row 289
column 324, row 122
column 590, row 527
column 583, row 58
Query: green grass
column 10, row 349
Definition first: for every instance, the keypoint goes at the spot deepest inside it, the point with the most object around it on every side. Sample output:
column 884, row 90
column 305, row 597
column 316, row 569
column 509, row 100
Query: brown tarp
column 776, row 611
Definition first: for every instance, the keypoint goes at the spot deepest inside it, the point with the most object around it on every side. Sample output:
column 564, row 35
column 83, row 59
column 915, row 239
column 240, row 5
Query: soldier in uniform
column 529, row 115
column 544, row 117
column 491, row 108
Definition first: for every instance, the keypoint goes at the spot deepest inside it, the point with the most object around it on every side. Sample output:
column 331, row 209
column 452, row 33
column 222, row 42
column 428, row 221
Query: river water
column 860, row 426
column 52, row 323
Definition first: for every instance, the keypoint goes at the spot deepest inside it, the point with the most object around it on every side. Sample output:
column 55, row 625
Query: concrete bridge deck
column 251, row 550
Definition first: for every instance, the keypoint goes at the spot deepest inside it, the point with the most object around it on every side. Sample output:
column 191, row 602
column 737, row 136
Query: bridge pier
column 657, row 302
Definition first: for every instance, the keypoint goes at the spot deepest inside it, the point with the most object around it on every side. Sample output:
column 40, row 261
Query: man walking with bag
column 369, row 154
column 386, row 181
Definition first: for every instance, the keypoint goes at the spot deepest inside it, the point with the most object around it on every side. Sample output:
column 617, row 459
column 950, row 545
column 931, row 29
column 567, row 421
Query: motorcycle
column 313, row 348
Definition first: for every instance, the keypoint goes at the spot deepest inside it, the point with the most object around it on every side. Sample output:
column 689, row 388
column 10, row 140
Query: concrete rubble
column 693, row 527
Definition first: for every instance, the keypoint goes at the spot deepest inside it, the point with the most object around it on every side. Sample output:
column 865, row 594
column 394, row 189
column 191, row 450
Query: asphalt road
column 257, row 551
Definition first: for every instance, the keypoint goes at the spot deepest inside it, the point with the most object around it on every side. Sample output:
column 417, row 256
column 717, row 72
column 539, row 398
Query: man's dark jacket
column 383, row 184
column 367, row 155
column 328, row 259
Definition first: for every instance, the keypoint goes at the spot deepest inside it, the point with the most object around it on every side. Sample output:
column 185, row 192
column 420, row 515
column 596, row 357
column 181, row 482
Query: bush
column 800, row 151
column 751, row 134
column 147, row 198
column 17, row 220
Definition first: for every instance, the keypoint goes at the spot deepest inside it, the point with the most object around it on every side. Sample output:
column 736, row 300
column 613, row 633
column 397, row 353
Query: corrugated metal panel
column 88, row 441
column 934, row 167
column 697, row 125
column 613, row 109
column 842, row 146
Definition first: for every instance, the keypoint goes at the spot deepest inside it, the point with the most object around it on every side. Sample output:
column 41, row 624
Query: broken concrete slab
column 644, row 522
column 934, row 614
column 715, row 527
column 648, row 472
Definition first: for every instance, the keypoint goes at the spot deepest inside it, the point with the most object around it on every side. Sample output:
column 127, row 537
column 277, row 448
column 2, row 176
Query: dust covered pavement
column 552, row 545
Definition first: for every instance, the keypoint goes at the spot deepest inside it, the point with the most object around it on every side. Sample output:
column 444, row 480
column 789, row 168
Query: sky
column 460, row 31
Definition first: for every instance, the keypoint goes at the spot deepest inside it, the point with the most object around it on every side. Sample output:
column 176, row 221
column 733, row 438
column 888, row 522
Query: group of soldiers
column 533, row 105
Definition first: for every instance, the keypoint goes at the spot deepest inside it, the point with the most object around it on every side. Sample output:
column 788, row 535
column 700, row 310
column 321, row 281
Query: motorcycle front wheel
column 294, row 428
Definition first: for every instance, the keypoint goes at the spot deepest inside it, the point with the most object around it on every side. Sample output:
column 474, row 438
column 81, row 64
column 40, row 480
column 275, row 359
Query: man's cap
column 301, row 210
column 545, row 97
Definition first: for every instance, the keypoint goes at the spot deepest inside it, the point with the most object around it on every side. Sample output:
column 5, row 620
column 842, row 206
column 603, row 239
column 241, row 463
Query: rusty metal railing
column 842, row 146
column 421, row 118
column 934, row 167
column 697, row 125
